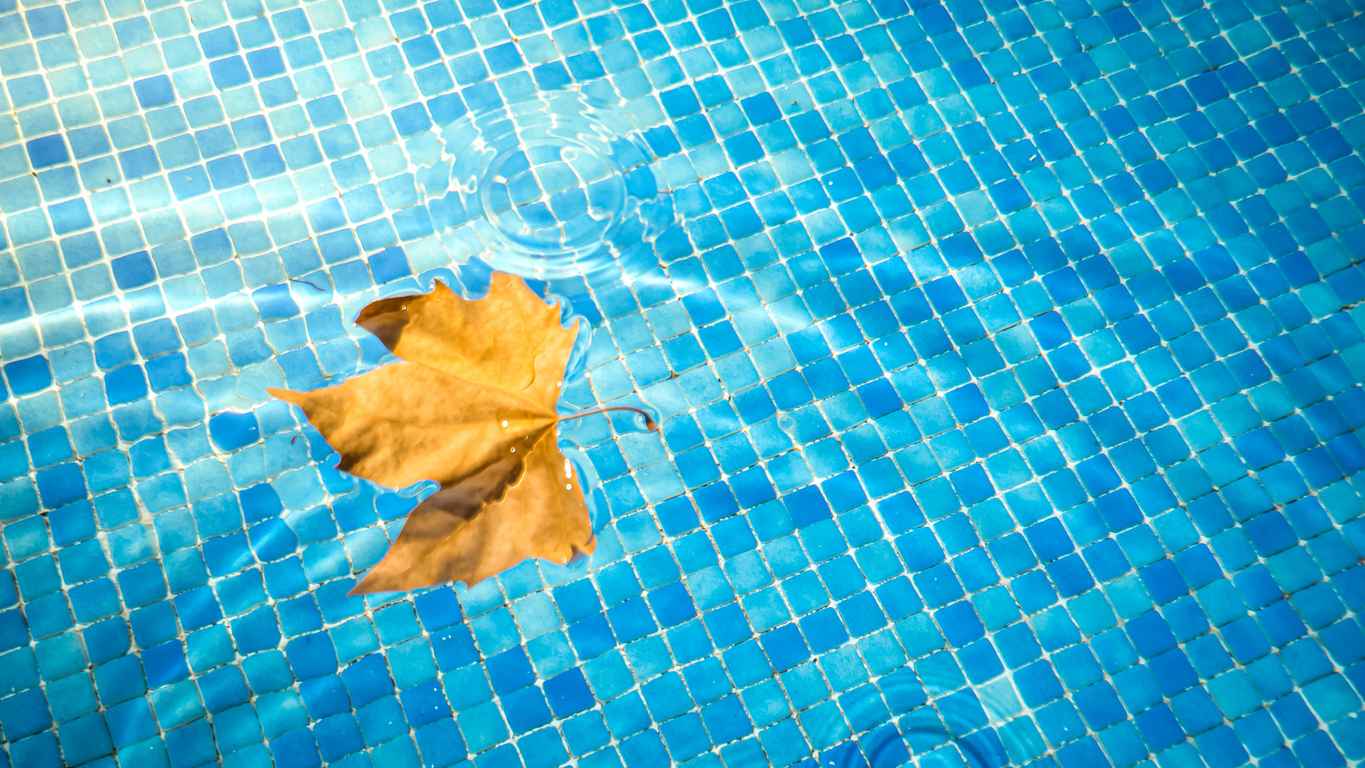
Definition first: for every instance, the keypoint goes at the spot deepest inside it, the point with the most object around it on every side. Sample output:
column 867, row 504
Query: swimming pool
column 1007, row 356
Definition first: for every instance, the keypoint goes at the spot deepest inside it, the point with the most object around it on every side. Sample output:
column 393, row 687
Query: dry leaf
column 471, row 405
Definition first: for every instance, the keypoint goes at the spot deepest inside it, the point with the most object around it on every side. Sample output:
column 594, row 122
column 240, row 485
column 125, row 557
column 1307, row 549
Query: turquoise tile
column 1007, row 357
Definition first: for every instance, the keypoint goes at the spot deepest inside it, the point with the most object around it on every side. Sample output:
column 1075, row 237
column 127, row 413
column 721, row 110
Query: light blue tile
column 1048, row 308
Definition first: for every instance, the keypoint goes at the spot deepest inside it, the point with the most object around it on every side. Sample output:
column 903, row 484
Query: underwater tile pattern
column 1009, row 359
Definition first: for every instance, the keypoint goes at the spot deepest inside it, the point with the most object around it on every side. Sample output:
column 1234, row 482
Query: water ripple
column 551, row 187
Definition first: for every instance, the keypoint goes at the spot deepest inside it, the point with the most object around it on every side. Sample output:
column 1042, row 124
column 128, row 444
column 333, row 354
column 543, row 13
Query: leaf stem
column 650, row 423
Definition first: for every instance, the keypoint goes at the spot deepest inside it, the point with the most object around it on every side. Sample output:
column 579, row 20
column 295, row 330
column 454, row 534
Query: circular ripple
column 553, row 197
column 905, row 721
column 551, row 187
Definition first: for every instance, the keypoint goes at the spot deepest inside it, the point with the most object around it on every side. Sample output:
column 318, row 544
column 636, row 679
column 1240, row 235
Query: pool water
column 1008, row 358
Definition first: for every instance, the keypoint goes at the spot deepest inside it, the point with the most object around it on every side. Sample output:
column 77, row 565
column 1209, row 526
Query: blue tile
column 233, row 430
column 154, row 91
column 28, row 375
column 47, row 151
column 1069, row 316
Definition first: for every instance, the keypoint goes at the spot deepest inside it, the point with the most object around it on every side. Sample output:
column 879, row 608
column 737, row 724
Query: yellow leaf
column 470, row 405
column 509, row 340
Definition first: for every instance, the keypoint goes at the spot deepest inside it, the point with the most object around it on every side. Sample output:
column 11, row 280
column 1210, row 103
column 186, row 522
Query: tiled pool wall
column 1008, row 356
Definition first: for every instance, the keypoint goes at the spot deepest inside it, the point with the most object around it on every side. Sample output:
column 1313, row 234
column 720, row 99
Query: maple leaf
column 470, row 405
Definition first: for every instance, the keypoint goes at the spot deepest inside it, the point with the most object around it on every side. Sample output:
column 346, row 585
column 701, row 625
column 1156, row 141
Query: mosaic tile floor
column 1009, row 357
